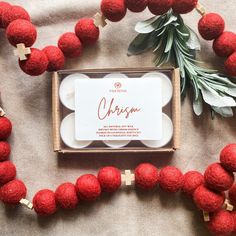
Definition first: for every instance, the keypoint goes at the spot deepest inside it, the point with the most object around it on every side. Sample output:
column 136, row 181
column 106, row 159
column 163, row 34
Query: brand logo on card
column 118, row 88
column 118, row 85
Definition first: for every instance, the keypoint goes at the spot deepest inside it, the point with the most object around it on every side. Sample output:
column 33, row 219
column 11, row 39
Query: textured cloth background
column 27, row 101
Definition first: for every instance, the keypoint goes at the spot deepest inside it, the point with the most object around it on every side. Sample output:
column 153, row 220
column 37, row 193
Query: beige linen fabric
column 27, row 100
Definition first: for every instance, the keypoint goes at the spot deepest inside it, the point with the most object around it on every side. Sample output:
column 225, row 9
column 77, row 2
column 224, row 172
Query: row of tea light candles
column 67, row 97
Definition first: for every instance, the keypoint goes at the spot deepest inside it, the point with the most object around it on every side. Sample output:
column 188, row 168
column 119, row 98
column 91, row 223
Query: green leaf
column 198, row 105
column 171, row 19
column 224, row 111
column 169, row 41
column 141, row 43
column 193, row 41
column 147, row 26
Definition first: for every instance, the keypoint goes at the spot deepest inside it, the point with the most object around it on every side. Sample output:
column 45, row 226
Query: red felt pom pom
column 233, row 214
column 208, row 200
column 221, row 223
column 146, row 176
column 88, row 187
column 5, row 150
column 184, row 6
column 66, row 196
column 211, row 26
column 56, row 59
column 21, row 31
column 14, row 13
column 232, row 194
column 86, row 31
column 230, row 65
column 36, row 63
column 13, row 191
column 109, row 178
column 7, row 172
column 225, row 44
column 191, row 181
column 5, row 128
column 171, row 179
column 217, row 178
column 44, row 202
column 228, row 157
column 159, row 7
column 136, row 5
column 113, row 10
column 4, row 6
column 70, row 45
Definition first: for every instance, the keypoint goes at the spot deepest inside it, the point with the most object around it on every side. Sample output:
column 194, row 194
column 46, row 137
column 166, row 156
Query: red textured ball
column 7, row 172
column 228, row 157
column 5, row 128
column 56, row 59
column 221, row 223
column 36, row 63
column 70, row 45
column 5, row 150
column 86, row 31
column 230, row 65
column 113, row 10
column 211, row 26
column 13, row 191
column 233, row 214
column 146, row 176
column 88, row 187
column 159, row 7
column 225, row 44
column 232, row 194
column 136, row 5
column 14, row 13
column 44, row 202
column 21, row 31
column 191, row 181
column 184, row 6
column 4, row 6
column 217, row 178
column 66, row 196
column 109, row 178
column 208, row 200
column 171, row 179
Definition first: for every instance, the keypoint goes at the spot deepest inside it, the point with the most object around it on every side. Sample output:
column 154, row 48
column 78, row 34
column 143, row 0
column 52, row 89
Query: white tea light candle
column 67, row 131
column 167, row 134
column 167, row 88
column 67, row 90
column 116, row 143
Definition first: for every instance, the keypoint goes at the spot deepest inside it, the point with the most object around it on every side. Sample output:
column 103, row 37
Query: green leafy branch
column 174, row 42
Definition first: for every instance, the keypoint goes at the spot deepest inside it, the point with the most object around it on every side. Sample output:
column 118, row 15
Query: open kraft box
column 173, row 110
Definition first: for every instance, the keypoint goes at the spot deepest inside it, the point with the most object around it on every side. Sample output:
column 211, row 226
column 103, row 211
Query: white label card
column 118, row 109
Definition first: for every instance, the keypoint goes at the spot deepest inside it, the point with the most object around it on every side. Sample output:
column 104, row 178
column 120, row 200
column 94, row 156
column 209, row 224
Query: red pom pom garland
column 44, row 202
column 66, row 196
column 191, row 181
column 159, row 7
column 136, row 5
column 7, row 172
column 87, row 31
column 208, row 195
column 217, row 178
column 146, row 176
column 211, row 26
column 88, row 187
column 56, row 58
column 109, row 178
column 21, row 31
column 13, row 13
column 5, row 150
column 171, row 179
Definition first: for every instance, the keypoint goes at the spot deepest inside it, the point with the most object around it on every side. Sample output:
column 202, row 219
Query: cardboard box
column 173, row 110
